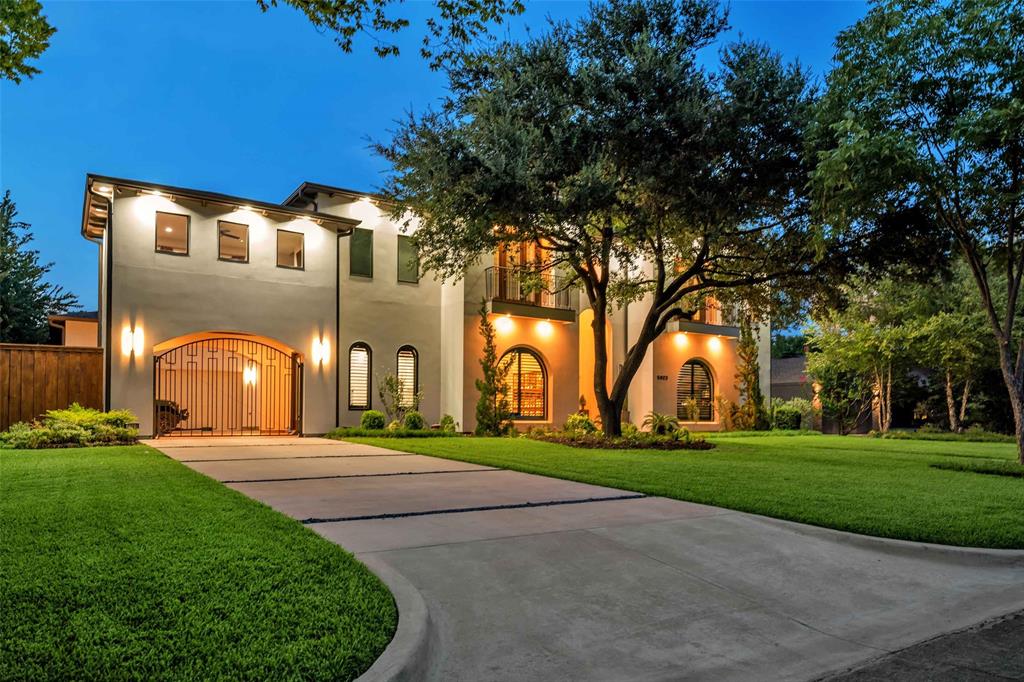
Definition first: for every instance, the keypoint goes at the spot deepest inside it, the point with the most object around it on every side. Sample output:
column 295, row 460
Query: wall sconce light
column 715, row 344
column 504, row 324
column 545, row 329
column 681, row 339
column 249, row 375
column 321, row 351
column 133, row 341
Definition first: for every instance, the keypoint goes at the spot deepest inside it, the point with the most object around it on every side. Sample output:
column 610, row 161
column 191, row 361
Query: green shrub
column 680, row 439
column 785, row 418
column 970, row 435
column 629, row 429
column 395, row 425
column 580, row 423
column 414, row 421
column 660, row 424
column 75, row 426
column 448, row 424
column 372, row 419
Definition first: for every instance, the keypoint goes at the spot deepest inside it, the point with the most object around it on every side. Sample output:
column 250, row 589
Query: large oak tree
column 644, row 173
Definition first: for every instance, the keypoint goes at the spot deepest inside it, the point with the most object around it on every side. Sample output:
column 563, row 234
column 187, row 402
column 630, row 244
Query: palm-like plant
column 660, row 424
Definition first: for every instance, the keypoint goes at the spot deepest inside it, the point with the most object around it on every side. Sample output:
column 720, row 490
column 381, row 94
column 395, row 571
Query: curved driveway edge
column 409, row 656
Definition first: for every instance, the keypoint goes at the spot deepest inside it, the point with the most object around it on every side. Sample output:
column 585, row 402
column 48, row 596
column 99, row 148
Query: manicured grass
column 864, row 485
column 119, row 563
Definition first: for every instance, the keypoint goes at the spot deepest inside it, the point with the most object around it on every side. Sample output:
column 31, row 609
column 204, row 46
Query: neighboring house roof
column 304, row 194
column 789, row 370
column 99, row 191
column 85, row 315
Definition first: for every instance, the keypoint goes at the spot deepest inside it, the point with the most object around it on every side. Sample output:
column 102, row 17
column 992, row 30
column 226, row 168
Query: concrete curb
column 964, row 556
column 412, row 652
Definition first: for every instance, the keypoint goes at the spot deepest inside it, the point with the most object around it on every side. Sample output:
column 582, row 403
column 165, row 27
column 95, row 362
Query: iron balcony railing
column 517, row 285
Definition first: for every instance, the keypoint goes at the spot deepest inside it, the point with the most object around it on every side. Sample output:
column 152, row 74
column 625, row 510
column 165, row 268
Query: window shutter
column 408, row 260
column 359, row 377
column 407, row 375
column 361, row 252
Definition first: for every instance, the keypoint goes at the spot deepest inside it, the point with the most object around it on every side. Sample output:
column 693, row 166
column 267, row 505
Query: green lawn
column 119, row 563
column 863, row 485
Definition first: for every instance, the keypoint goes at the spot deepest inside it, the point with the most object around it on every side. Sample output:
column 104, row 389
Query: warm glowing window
column 172, row 233
column 408, row 375
column 290, row 253
column 359, row 377
column 232, row 242
column 695, row 393
column 526, row 384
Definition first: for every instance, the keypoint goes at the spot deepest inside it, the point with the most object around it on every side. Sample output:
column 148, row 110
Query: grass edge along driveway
column 120, row 563
column 862, row 485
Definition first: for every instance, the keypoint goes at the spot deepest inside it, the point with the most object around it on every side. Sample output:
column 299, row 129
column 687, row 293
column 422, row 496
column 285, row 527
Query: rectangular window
column 408, row 260
column 172, row 233
column 290, row 250
column 360, row 261
column 233, row 242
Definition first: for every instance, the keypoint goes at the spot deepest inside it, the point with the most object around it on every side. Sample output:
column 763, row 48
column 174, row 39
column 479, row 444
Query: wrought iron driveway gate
column 226, row 387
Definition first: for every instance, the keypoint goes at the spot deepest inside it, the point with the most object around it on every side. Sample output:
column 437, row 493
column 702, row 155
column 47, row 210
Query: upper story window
column 359, row 376
column 526, row 384
column 360, row 255
column 408, row 260
column 408, row 374
column 172, row 233
column 232, row 242
column 290, row 251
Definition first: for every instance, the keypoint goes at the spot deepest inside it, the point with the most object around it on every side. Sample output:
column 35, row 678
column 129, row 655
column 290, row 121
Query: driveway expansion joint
column 393, row 473
column 464, row 510
column 268, row 459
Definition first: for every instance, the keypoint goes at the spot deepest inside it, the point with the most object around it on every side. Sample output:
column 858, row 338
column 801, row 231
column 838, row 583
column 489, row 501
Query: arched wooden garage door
column 227, row 387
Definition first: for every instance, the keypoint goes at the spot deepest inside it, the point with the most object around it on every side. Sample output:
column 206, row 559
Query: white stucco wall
column 384, row 313
column 169, row 296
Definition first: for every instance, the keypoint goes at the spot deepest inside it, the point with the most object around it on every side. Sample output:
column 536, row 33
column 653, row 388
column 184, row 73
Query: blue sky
column 222, row 97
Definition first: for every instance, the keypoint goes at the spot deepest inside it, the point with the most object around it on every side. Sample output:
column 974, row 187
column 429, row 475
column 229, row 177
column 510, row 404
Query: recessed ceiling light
column 168, row 229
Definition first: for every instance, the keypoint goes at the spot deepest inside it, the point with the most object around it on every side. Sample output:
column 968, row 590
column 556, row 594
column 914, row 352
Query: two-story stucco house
column 220, row 315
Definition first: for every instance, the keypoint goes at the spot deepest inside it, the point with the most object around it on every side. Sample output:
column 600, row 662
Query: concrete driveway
column 532, row 578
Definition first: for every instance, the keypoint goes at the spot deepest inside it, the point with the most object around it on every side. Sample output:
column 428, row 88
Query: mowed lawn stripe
column 120, row 563
column 858, row 484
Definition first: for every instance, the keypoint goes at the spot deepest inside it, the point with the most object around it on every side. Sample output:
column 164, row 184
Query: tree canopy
column 925, row 112
column 26, row 299
column 643, row 173
column 24, row 35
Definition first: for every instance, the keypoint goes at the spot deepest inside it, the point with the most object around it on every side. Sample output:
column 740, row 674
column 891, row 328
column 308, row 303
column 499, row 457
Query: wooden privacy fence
column 34, row 379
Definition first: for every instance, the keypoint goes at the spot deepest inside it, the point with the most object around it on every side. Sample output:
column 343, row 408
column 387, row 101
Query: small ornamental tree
column 493, row 416
column 752, row 414
column 26, row 299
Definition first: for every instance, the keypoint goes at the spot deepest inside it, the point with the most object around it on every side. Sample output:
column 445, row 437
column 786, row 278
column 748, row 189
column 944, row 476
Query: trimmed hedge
column 678, row 440
column 355, row 432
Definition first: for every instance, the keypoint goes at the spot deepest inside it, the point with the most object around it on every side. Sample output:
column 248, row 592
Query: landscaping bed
column 120, row 563
column 73, row 427
column 640, row 441
column 863, row 485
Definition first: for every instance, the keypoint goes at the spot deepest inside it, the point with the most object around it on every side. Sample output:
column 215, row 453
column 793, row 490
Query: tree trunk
column 963, row 403
column 1013, row 388
column 610, row 410
column 954, row 421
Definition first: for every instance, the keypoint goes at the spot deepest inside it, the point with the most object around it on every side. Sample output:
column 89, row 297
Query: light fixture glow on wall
column 321, row 351
column 681, row 339
column 545, row 329
column 715, row 344
column 249, row 374
column 504, row 324
column 133, row 341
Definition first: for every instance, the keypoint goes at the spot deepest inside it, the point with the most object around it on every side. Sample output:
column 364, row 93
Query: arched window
column 695, row 392
column 359, row 355
column 408, row 374
column 527, row 384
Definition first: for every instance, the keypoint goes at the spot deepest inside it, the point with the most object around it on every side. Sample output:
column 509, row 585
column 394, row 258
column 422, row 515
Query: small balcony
column 711, row 318
column 515, row 291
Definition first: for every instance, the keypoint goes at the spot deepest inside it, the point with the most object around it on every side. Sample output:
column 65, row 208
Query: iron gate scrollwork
column 227, row 387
